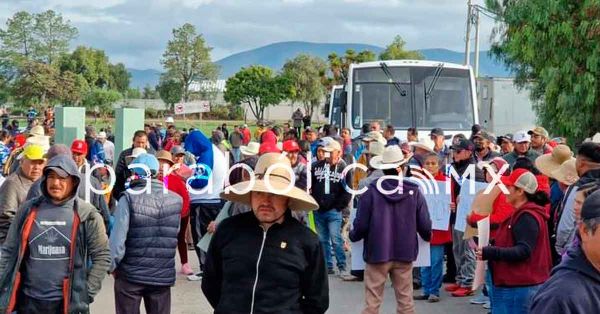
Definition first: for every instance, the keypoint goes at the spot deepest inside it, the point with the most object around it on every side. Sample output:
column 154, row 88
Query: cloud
column 136, row 31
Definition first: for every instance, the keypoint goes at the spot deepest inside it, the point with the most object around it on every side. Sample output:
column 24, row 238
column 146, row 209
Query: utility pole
column 477, row 43
column 468, row 38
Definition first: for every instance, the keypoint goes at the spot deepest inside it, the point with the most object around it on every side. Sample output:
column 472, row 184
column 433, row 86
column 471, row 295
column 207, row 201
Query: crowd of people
column 269, row 217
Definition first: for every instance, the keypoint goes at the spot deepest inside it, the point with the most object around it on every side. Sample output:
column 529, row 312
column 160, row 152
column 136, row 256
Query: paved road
column 345, row 298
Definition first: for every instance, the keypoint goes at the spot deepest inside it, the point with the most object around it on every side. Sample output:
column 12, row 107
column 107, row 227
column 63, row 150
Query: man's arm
column 423, row 219
column 8, row 207
column 99, row 253
column 212, row 278
column 360, row 226
column 314, row 283
column 119, row 233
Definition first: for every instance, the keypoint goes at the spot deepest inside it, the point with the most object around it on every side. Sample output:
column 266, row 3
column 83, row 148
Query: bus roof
column 410, row 63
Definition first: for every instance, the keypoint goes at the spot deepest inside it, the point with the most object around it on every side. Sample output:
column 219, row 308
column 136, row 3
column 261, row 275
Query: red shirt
column 246, row 136
column 175, row 184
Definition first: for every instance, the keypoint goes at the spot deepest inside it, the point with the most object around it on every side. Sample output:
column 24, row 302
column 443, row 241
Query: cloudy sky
column 135, row 32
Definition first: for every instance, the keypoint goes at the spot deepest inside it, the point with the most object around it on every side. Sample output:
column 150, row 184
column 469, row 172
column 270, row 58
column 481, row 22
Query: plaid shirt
column 4, row 153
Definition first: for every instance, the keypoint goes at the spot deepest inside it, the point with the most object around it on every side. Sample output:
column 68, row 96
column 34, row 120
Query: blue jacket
column 389, row 224
column 144, row 238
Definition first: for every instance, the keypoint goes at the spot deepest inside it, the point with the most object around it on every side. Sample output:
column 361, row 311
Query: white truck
column 503, row 108
column 408, row 93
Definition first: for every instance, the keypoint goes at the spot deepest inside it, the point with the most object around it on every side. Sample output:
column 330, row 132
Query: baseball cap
column 485, row 135
column 330, row 145
column 33, row 152
column 177, row 150
column 290, row 146
column 463, row 144
column 521, row 137
column 102, row 135
column 591, row 206
column 146, row 159
column 502, row 138
column 308, row 129
column 58, row 170
column 136, row 152
column 538, row 130
column 437, row 132
column 522, row 179
column 79, row 146
column 268, row 147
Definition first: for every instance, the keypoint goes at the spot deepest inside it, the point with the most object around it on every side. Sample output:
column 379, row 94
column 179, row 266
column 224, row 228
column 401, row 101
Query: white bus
column 335, row 109
column 409, row 93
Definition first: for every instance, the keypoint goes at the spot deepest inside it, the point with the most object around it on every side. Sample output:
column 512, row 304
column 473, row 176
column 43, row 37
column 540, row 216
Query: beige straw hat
column 251, row 149
column 273, row 174
column 566, row 173
column 550, row 162
column 424, row 143
column 391, row 158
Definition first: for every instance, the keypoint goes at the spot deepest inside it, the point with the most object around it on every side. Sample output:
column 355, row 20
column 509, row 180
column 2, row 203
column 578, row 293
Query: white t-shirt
column 109, row 150
column 219, row 171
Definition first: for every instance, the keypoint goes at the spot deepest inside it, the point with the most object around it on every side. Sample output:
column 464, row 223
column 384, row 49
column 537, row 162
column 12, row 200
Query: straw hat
column 251, row 149
column 374, row 136
column 279, row 177
column 41, row 140
column 566, row 173
column 550, row 162
column 165, row 156
column 376, row 149
column 424, row 143
column 37, row 130
column 391, row 158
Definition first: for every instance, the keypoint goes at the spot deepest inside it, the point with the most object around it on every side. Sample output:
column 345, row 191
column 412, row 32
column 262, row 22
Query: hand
column 453, row 207
column 212, row 227
column 479, row 254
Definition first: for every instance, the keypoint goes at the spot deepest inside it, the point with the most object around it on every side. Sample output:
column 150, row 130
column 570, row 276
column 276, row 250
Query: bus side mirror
column 344, row 101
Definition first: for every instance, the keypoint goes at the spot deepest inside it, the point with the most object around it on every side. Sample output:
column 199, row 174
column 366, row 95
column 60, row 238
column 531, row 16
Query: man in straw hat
column 264, row 261
column 587, row 165
column 389, row 224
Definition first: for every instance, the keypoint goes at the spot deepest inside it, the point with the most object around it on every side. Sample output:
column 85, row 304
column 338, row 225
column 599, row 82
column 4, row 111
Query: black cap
column 476, row 128
column 590, row 150
column 463, row 144
column 591, row 206
column 437, row 132
column 485, row 135
column 502, row 138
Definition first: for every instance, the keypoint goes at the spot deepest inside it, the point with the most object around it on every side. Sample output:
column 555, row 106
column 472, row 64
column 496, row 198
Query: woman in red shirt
column 431, row 277
column 175, row 183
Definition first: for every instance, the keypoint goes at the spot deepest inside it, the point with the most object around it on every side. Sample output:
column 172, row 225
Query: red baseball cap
column 20, row 140
column 523, row 179
column 79, row 146
column 268, row 147
column 290, row 146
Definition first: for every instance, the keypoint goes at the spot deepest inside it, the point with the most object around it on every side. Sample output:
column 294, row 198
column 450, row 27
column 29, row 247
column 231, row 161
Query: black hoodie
column 573, row 288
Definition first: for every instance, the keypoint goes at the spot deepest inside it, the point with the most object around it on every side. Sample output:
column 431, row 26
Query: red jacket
column 501, row 210
column 246, row 136
column 176, row 184
column 536, row 268
column 441, row 237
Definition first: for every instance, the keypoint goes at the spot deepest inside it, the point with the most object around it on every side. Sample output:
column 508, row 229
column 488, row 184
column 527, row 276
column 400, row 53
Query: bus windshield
column 399, row 98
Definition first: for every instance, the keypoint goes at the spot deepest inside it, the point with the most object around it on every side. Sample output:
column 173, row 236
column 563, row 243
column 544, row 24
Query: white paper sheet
column 357, row 261
column 205, row 240
column 424, row 256
column 438, row 202
column 465, row 201
column 483, row 233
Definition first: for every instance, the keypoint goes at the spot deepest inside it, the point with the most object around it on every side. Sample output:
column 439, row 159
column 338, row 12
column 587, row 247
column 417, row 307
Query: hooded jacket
column 89, row 261
column 211, row 167
column 389, row 224
column 574, row 287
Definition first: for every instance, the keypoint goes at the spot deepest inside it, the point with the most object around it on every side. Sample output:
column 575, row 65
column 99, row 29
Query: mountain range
column 275, row 55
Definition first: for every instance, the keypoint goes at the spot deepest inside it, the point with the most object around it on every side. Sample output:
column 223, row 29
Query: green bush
column 218, row 113
column 151, row 113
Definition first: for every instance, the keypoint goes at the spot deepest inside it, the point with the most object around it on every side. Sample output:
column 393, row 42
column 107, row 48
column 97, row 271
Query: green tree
column 40, row 37
column 171, row 92
column 119, row 77
column 258, row 87
column 101, row 98
column 134, row 93
column 149, row 93
column 187, row 58
column 397, row 51
column 91, row 63
column 554, row 50
column 53, row 35
column 338, row 66
column 305, row 77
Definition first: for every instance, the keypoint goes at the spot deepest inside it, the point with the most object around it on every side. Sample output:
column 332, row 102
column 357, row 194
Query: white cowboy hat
column 391, row 158
column 279, row 178
column 374, row 136
column 37, row 130
column 424, row 143
column 566, row 173
column 251, row 149
column 548, row 163
column 169, row 120
column 41, row 140
column 594, row 139
column 376, row 148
